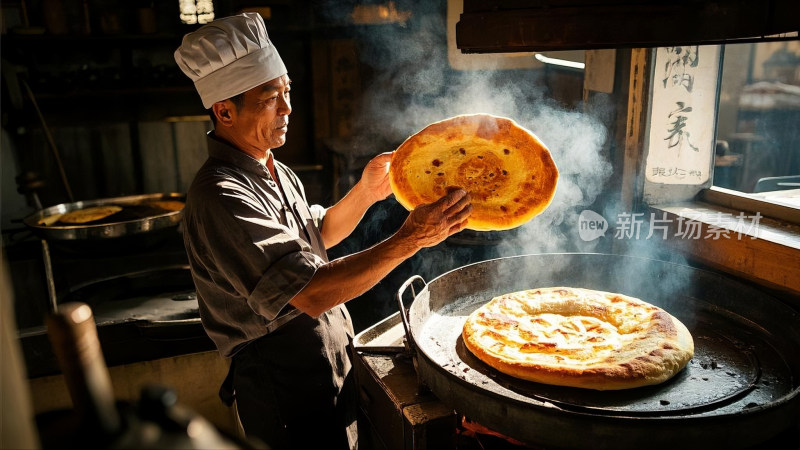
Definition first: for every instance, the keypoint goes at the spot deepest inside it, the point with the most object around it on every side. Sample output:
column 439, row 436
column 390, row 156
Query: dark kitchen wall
column 95, row 81
column 366, row 75
column 106, row 95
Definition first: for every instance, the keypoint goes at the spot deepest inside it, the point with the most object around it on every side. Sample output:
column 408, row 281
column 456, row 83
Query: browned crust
column 168, row 205
column 508, row 172
column 91, row 214
column 661, row 349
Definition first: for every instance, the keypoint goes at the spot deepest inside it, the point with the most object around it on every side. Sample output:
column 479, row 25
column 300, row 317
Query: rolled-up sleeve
column 282, row 282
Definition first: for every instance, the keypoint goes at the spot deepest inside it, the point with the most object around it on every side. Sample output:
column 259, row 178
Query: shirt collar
column 222, row 150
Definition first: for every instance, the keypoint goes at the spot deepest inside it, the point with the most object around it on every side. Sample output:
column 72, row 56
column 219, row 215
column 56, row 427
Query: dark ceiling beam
column 512, row 26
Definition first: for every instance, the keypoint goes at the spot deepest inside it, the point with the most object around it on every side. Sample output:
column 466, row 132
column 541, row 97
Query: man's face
column 262, row 121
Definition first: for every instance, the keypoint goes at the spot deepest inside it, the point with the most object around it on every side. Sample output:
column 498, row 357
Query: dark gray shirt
column 252, row 245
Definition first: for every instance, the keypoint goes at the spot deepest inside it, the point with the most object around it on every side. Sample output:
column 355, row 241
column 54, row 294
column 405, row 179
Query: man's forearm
column 348, row 277
column 341, row 219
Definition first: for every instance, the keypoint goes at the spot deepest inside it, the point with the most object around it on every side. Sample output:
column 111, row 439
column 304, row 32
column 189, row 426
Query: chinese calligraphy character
column 692, row 229
column 677, row 132
column 714, row 232
column 629, row 225
column 752, row 230
column 661, row 224
column 675, row 68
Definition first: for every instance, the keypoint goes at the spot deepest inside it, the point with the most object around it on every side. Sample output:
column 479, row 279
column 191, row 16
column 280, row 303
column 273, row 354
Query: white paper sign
column 682, row 114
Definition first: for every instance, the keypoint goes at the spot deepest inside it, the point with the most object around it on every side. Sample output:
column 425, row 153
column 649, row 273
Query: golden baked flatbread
column 167, row 205
column 86, row 215
column 578, row 337
column 506, row 169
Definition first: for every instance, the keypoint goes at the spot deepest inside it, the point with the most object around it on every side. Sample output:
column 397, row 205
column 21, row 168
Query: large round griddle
column 741, row 388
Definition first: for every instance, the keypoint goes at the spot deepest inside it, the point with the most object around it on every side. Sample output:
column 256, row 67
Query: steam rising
column 413, row 86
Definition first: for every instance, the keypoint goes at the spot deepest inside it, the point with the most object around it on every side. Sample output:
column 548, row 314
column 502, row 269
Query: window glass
column 758, row 121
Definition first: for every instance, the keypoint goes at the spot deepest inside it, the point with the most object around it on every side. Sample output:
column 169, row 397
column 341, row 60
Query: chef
column 269, row 297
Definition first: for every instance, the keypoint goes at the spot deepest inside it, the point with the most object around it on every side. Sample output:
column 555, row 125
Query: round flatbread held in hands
column 505, row 168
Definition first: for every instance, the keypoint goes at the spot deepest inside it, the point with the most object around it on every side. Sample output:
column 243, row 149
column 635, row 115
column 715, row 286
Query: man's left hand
column 375, row 177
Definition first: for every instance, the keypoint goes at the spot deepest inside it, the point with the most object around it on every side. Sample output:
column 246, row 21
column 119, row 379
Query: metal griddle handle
column 404, row 311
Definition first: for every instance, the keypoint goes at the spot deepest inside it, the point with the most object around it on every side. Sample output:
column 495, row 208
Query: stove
column 397, row 411
column 142, row 298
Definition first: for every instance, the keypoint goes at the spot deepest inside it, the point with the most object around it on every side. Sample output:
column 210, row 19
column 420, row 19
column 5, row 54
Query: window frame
column 769, row 256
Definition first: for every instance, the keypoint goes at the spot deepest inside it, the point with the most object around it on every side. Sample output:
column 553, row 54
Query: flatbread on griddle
column 578, row 337
column 92, row 214
column 505, row 168
column 168, row 205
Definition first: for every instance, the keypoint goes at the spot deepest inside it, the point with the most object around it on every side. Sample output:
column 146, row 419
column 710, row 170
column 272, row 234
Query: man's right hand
column 430, row 224
column 350, row 276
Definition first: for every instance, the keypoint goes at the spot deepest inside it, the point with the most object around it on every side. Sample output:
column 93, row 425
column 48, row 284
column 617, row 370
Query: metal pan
column 109, row 230
column 135, row 231
column 741, row 388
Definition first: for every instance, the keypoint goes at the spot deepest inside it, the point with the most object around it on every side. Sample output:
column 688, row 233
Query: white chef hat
column 229, row 56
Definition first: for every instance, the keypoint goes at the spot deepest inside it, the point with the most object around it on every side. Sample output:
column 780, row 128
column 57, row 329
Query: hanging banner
column 682, row 114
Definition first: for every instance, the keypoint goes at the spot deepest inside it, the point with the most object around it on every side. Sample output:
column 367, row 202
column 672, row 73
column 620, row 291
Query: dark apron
column 294, row 387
